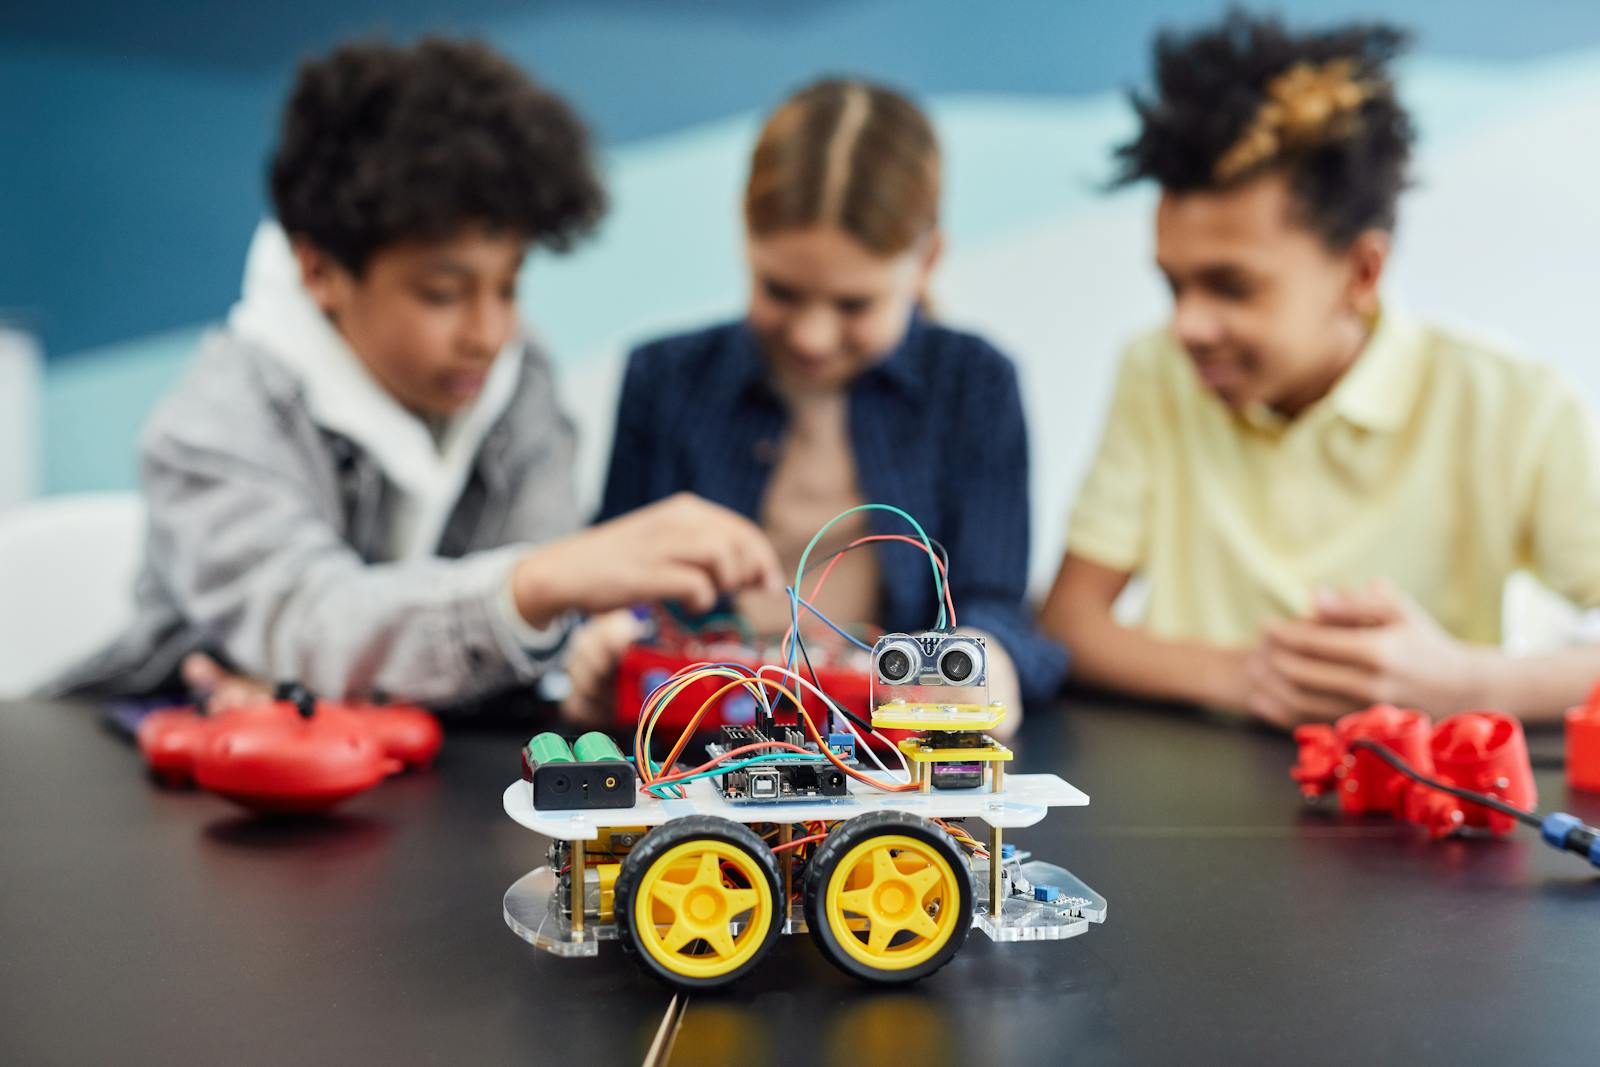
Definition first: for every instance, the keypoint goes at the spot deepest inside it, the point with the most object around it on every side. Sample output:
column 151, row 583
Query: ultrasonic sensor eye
column 956, row 665
column 961, row 662
column 894, row 665
column 898, row 661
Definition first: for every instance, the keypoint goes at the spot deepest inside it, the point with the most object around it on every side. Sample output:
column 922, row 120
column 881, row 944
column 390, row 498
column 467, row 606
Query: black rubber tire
column 655, row 844
column 848, row 835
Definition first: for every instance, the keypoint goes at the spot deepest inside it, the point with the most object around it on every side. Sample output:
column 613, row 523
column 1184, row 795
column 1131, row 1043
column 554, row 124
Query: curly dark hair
column 1211, row 85
column 384, row 143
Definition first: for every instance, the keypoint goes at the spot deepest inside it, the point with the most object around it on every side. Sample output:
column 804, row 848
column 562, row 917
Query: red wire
column 688, row 730
column 822, row 746
column 798, row 842
column 949, row 602
column 642, row 758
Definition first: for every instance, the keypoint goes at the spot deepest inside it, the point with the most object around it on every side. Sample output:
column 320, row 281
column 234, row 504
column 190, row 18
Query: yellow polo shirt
column 1435, row 462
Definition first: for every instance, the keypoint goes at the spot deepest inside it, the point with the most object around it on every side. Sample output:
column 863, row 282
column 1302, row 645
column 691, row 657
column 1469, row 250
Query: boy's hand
column 219, row 688
column 1372, row 645
column 1268, row 693
column 592, row 657
column 683, row 549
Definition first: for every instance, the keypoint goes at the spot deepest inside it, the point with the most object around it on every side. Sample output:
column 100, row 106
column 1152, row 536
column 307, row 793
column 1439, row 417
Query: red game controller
column 1482, row 751
column 295, row 754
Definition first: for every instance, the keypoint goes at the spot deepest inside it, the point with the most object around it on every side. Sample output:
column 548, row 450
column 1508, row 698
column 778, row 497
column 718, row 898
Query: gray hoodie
column 305, row 527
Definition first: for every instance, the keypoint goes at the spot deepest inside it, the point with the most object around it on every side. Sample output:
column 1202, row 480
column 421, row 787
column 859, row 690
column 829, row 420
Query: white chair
column 21, row 379
column 67, row 567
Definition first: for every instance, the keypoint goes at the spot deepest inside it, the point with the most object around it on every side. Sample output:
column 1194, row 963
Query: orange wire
column 949, row 601
column 653, row 709
column 677, row 776
column 688, row 730
column 798, row 842
column 811, row 727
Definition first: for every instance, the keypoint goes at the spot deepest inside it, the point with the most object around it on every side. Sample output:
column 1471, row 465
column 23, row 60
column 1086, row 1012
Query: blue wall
column 134, row 135
column 132, row 145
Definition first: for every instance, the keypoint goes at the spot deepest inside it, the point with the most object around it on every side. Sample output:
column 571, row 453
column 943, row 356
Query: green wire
column 733, row 767
column 938, row 583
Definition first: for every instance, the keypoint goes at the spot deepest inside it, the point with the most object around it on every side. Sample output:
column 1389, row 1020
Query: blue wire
column 737, row 668
column 854, row 640
column 794, row 598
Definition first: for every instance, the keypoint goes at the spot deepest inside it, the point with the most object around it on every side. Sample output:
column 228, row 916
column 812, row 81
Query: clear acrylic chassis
column 532, row 906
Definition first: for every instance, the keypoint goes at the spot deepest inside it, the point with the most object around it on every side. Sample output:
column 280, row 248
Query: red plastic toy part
column 1583, row 744
column 294, row 754
column 268, row 764
column 1486, row 752
column 1366, row 785
column 170, row 739
column 404, row 732
column 1482, row 751
column 644, row 667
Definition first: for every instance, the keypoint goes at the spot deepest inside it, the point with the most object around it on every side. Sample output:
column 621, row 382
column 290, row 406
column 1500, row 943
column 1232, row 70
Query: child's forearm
column 1106, row 653
column 1079, row 613
column 429, row 630
column 1537, row 687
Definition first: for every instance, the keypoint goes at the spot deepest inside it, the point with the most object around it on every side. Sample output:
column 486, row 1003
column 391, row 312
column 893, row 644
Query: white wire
column 692, row 674
column 827, row 702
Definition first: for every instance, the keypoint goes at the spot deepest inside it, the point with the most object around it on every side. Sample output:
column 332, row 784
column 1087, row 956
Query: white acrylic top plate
column 1023, row 803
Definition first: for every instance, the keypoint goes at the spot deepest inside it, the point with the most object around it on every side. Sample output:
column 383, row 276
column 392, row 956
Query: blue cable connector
column 1570, row 834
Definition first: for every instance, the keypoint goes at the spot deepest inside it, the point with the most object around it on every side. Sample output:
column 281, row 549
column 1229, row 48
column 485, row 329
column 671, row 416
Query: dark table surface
column 143, row 925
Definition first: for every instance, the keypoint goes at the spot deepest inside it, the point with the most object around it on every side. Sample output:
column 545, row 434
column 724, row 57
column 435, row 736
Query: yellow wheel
column 697, row 901
column 889, row 897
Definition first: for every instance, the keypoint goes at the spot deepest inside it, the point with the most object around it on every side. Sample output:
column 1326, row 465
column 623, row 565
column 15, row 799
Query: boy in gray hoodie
column 364, row 481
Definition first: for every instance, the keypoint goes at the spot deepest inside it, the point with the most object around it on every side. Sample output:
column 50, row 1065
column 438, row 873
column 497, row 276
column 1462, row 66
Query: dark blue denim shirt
column 936, row 428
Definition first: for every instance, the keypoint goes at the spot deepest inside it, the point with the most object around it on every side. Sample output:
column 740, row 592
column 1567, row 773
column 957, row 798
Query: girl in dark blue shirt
column 836, row 389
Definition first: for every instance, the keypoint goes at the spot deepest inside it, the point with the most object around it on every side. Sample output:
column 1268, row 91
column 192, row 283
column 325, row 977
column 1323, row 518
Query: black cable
column 1495, row 803
column 833, row 705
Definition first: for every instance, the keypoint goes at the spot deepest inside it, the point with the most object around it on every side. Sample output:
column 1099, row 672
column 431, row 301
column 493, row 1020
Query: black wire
column 1487, row 801
column 833, row 705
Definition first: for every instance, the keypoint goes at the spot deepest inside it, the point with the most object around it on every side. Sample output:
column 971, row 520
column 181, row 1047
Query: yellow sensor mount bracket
column 920, row 717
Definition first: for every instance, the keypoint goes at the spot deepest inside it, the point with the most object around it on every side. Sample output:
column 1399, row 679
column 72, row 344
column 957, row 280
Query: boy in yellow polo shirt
column 1325, row 496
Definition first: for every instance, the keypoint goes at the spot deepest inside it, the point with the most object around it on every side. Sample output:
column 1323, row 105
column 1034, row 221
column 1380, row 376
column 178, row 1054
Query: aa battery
column 547, row 748
column 595, row 745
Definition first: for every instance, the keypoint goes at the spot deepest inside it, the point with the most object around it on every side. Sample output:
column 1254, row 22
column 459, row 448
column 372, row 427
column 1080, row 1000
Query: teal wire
column 734, row 767
column 800, row 569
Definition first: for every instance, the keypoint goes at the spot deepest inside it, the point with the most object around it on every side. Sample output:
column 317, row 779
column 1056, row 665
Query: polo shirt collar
column 1379, row 391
